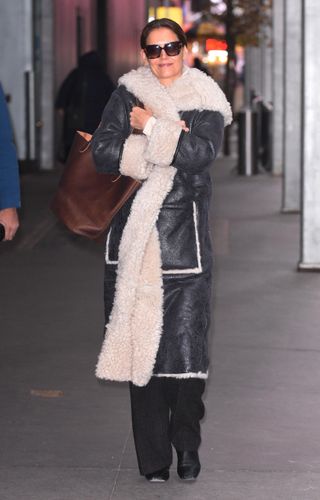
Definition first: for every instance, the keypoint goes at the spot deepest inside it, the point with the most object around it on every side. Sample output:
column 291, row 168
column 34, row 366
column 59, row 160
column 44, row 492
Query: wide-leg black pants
column 165, row 412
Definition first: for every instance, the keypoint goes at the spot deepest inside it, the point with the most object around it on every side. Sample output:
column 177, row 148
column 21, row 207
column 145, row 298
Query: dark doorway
column 102, row 12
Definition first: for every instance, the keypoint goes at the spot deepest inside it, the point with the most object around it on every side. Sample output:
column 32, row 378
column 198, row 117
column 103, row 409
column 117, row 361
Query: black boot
column 159, row 476
column 188, row 465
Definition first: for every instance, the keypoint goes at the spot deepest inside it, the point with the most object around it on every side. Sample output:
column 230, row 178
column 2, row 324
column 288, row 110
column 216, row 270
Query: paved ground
column 64, row 436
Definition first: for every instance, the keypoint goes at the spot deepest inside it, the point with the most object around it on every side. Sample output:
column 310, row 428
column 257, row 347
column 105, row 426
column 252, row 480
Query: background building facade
column 40, row 43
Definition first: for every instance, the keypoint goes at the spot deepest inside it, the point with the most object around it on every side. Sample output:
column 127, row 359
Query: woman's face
column 165, row 68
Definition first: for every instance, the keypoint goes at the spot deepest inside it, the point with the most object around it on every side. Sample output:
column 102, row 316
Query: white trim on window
column 193, row 270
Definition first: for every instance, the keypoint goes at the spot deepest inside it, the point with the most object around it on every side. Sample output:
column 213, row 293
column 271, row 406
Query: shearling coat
column 158, row 251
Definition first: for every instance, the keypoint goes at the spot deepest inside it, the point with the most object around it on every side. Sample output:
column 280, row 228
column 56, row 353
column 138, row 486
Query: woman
column 164, row 126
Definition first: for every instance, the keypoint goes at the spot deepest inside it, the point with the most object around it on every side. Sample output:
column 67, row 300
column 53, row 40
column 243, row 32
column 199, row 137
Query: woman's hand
column 139, row 117
column 183, row 125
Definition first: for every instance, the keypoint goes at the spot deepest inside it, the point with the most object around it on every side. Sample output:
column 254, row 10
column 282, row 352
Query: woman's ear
column 144, row 57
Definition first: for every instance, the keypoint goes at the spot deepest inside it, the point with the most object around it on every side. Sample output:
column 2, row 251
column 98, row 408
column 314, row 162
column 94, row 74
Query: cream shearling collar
column 193, row 90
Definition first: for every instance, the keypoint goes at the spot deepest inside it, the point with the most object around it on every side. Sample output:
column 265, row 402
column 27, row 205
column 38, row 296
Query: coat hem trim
column 182, row 375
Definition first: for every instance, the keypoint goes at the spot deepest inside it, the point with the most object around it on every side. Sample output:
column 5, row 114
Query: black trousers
column 165, row 412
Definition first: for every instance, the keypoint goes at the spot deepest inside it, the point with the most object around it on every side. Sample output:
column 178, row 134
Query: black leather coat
column 183, row 231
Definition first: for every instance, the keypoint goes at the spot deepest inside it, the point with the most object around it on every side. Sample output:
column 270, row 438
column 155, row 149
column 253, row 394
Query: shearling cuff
column 132, row 162
column 163, row 142
column 149, row 126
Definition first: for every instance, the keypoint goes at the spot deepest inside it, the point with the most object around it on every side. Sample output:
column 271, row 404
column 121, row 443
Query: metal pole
column 29, row 82
column 277, row 86
column 292, row 106
column 310, row 229
column 266, row 61
column 47, row 82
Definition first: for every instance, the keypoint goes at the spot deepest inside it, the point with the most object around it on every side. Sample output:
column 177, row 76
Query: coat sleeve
column 189, row 151
column 109, row 138
column 115, row 148
column 9, row 170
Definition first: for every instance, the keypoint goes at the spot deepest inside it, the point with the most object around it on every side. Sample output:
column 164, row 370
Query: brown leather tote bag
column 86, row 201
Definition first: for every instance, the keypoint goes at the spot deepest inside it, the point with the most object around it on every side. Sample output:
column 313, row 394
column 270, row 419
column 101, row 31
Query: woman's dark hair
column 162, row 23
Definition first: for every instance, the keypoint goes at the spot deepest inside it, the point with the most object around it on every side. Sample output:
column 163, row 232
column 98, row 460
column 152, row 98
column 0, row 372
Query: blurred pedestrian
column 82, row 98
column 163, row 126
column 9, row 174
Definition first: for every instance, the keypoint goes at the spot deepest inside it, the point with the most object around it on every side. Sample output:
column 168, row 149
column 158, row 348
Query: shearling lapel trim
column 147, row 88
column 133, row 333
column 193, row 90
column 135, row 326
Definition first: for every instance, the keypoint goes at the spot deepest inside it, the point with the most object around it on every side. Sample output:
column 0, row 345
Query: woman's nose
column 163, row 54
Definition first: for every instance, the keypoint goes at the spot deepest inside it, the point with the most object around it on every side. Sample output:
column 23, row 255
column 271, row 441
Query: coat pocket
column 179, row 240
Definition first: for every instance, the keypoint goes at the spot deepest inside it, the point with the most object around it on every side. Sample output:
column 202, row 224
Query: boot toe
column 188, row 465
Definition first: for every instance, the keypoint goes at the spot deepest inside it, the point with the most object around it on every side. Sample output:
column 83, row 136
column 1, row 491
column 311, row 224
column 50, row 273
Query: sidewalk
column 64, row 436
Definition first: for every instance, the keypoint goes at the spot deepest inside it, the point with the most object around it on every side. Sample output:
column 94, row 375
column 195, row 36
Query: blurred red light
column 213, row 44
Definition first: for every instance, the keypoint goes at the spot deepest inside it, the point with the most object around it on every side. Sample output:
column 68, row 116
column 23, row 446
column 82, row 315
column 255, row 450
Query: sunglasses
column 171, row 49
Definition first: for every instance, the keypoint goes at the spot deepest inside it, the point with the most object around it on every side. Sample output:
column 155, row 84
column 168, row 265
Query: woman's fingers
column 10, row 232
column 139, row 117
column 183, row 125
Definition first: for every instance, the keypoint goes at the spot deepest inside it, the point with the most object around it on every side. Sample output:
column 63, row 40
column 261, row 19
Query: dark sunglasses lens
column 152, row 51
column 173, row 48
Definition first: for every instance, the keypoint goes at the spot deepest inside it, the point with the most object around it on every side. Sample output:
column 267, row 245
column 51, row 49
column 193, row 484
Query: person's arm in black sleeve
column 199, row 147
column 189, row 151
